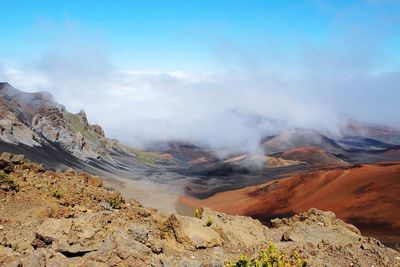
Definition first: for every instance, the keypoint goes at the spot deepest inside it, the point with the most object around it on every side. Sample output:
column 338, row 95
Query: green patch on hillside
column 147, row 157
column 76, row 125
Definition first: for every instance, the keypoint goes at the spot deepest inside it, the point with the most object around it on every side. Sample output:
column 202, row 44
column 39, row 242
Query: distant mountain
column 382, row 133
column 299, row 137
column 185, row 152
column 313, row 156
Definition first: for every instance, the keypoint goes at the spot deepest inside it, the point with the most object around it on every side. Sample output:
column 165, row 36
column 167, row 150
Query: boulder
column 192, row 233
column 232, row 231
column 68, row 236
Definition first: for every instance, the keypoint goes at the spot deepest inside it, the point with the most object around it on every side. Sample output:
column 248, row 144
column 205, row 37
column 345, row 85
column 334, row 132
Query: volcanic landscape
column 355, row 173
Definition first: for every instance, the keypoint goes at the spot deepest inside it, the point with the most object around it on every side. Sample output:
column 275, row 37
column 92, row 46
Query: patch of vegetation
column 76, row 125
column 147, row 157
column 198, row 213
column 270, row 257
column 209, row 221
column 7, row 183
column 58, row 193
column 115, row 203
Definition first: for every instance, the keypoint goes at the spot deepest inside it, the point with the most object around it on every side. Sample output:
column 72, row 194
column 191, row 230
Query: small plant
column 300, row 261
column 209, row 221
column 8, row 183
column 242, row 261
column 115, row 203
column 198, row 213
column 58, row 193
column 270, row 257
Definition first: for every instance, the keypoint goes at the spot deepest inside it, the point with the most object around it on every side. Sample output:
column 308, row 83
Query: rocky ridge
column 35, row 125
column 35, row 119
column 69, row 219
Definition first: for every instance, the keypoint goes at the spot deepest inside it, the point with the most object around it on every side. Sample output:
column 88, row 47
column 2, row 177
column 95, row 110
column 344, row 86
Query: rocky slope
column 34, row 121
column 69, row 219
column 33, row 124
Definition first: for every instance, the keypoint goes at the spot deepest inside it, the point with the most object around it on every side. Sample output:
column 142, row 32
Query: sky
column 223, row 73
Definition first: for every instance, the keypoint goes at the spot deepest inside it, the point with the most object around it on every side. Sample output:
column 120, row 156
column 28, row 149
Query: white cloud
column 227, row 111
column 266, row 90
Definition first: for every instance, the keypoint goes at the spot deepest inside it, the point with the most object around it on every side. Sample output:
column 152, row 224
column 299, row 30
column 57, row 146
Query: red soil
column 367, row 196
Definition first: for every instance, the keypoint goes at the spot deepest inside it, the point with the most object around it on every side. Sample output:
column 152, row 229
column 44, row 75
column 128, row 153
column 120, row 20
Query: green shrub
column 115, row 203
column 9, row 184
column 242, row 261
column 198, row 213
column 58, row 193
column 270, row 257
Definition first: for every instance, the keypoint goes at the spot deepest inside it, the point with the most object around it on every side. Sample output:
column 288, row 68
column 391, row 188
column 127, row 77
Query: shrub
column 115, row 203
column 209, row 221
column 58, row 193
column 242, row 261
column 198, row 213
column 9, row 184
column 270, row 257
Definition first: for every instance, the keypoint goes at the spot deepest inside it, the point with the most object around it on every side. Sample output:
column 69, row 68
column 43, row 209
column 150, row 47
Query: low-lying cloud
column 261, row 94
column 230, row 111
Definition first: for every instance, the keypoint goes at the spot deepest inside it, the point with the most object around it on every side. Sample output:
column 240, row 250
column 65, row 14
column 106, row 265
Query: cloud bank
column 228, row 111
column 262, row 90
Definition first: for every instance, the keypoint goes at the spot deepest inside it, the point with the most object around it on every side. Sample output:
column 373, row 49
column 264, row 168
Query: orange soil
column 368, row 196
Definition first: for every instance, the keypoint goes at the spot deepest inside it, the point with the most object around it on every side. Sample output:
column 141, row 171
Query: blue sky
column 189, row 35
column 203, row 70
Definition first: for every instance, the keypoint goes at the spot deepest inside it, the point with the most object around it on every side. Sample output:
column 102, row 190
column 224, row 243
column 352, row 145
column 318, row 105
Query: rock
column 6, row 156
column 232, row 231
column 97, row 130
column 191, row 232
column 286, row 237
column 127, row 247
column 1, row 227
column 139, row 232
column 17, row 159
column 277, row 222
column 70, row 170
column 95, row 181
column 181, row 262
column 352, row 228
column 68, row 236
column 37, row 258
column 104, row 205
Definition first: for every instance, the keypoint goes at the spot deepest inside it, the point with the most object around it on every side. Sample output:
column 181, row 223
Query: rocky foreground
column 69, row 219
